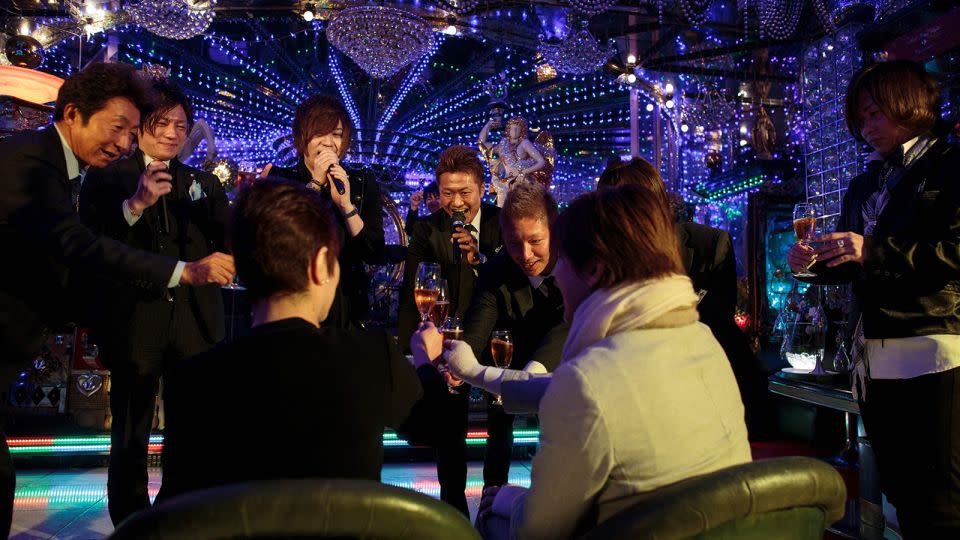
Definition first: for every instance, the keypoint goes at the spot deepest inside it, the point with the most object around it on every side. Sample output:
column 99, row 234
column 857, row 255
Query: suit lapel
column 56, row 149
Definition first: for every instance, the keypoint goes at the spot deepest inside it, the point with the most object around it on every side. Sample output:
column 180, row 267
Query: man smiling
column 97, row 113
column 154, row 202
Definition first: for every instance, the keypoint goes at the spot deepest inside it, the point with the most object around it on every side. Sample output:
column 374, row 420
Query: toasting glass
column 501, row 347
column 426, row 288
column 452, row 329
column 804, row 224
column 441, row 308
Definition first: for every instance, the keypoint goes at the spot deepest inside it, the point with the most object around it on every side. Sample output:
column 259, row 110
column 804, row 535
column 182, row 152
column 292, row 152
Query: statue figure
column 515, row 158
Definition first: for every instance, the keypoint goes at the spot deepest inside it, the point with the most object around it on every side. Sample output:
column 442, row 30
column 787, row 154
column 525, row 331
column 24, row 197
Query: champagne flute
column 426, row 288
column 440, row 310
column 452, row 329
column 501, row 347
column 804, row 224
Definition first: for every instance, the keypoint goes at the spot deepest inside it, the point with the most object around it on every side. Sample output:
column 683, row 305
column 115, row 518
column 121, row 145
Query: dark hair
column 317, row 116
column 277, row 227
column 167, row 96
column 637, row 171
column 626, row 231
column 903, row 91
column 528, row 200
column 460, row 159
column 90, row 90
column 431, row 189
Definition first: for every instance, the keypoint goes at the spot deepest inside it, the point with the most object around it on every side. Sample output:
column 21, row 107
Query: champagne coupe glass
column 426, row 288
column 440, row 310
column 501, row 347
column 452, row 329
column 804, row 224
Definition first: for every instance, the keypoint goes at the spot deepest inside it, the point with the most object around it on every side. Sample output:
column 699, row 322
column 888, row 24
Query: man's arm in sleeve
column 42, row 213
column 369, row 242
column 572, row 464
column 417, row 252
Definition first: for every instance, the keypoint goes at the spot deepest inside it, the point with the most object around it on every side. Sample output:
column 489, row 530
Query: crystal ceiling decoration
column 576, row 53
column 459, row 6
column 591, row 7
column 381, row 40
column 173, row 19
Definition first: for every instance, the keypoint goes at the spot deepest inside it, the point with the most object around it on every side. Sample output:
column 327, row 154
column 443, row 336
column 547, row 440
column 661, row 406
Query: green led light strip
column 100, row 444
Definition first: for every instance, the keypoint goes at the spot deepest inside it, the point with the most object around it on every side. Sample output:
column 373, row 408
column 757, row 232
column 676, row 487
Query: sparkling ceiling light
column 381, row 40
column 778, row 18
column 459, row 6
column 591, row 7
column 577, row 53
column 173, row 19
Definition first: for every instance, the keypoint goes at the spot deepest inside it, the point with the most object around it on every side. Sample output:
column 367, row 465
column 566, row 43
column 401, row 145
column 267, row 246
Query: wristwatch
column 351, row 213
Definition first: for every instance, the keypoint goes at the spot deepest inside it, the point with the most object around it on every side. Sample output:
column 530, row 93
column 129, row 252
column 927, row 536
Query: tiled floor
column 72, row 503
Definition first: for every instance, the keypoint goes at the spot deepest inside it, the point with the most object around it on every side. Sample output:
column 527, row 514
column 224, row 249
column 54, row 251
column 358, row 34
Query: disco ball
column 24, row 51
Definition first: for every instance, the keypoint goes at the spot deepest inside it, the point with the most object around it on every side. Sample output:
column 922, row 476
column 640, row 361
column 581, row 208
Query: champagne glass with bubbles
column 426, row 288
column 804, row 224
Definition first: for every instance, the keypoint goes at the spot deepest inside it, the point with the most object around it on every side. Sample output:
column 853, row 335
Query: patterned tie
column 75, row 184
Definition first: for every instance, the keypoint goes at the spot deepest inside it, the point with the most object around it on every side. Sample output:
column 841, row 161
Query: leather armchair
column 311, row 508
column 791, row 498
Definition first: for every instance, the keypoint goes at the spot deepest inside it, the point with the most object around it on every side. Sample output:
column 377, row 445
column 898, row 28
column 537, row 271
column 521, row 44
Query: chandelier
column 459, row 6
column 576, row 53
column 708, row 109
column 379, row 39
column 174, row 19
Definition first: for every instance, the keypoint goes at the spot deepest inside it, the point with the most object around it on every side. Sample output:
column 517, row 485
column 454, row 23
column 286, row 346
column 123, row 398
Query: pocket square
column 196, row 191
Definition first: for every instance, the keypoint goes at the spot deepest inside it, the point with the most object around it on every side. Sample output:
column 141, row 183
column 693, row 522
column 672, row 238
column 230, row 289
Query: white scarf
column 634, row 305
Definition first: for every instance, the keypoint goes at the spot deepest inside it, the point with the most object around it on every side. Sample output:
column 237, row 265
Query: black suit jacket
column 320, row 414
column 44, row 241
column 505, row 300
column 430, row 242
column 198, row 228
column 710, row 262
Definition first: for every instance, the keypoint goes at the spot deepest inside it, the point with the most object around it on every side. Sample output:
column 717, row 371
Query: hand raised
column 215, row 268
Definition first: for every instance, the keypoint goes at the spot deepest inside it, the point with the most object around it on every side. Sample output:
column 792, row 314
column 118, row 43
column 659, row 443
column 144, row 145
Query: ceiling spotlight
column 649, row 107
column 450, row 30
column 684, row 128
column 668, row 88
column 631, row 59
column 308, row 14
column 669, row 104
column 631, row 78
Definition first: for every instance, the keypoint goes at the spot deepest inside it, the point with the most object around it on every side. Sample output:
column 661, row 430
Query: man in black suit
column 153, row 202
column 96, row 115
column 518, row 293
column 461, row 255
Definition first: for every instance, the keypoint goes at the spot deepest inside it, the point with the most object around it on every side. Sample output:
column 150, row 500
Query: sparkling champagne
column 502, row 352
column 803, row 228
column 425, row 299
column 439, row 313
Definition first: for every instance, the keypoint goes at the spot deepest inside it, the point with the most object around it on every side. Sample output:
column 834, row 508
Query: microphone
column 456, row 226
column 164, row 216
column 336, row 182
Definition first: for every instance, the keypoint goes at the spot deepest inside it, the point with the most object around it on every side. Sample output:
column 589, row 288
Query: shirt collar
column 476, row 221
column 905, row 147
column 537, row 281
column 147, row 159
column 73, row 165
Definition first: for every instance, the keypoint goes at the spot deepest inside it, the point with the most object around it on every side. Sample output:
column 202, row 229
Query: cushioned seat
column 783, row 498
column 299, row 509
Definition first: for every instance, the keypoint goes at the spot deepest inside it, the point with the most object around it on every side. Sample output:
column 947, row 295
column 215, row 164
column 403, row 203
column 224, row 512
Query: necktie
column 75, row 184
column 550, row 290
